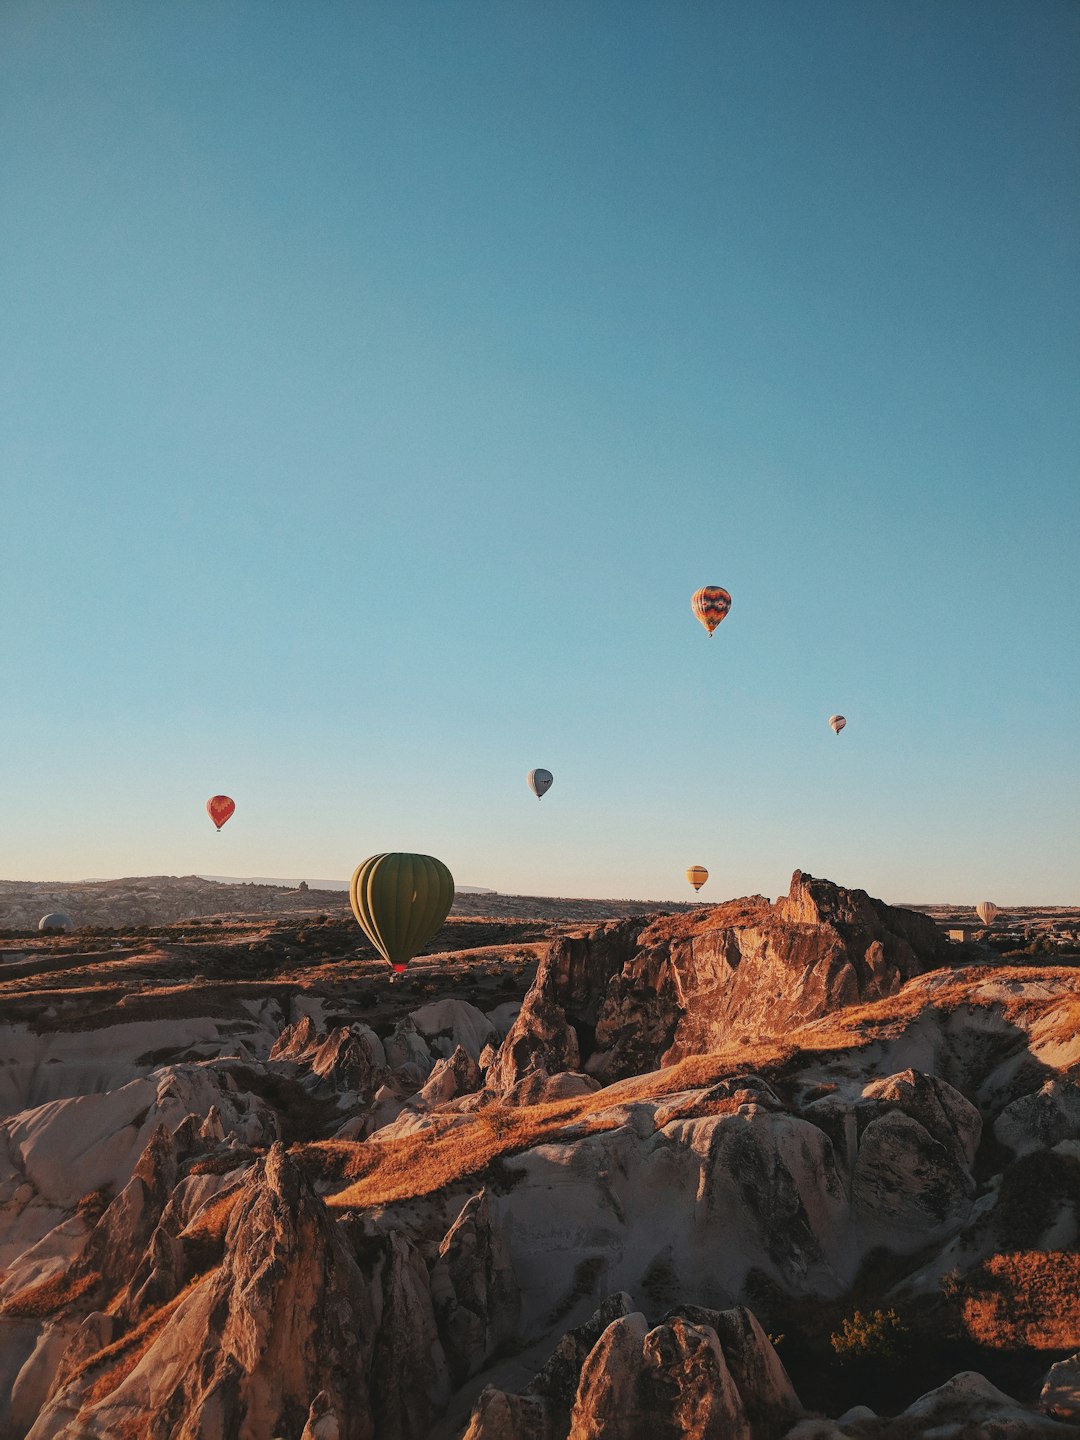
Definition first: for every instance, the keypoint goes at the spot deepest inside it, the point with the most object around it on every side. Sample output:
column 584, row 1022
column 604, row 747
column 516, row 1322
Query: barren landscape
column 745, row 1169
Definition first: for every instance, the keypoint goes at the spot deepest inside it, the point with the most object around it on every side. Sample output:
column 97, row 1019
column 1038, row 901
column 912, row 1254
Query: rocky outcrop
column 451, row 1023
column 628, row 996
column 710, row 1377
column 540, row 1042
column 1060, row 1394
column 542, row 1410
column 917, row 1142
column 290, row 1315
column 457, row 1075
column 348, row 1058
column 474, row 1290
column 1042, row 1119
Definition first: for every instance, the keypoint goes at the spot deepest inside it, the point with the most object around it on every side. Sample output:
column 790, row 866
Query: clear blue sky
column 378, row 381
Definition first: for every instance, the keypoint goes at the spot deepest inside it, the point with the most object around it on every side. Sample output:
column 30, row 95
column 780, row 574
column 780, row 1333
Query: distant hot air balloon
column 539, row 782
column 219, row 808
column 837, row 722
column 400, row 901
column 57, row 922
column 986, row 910
column 710, row 604
column 697, row 875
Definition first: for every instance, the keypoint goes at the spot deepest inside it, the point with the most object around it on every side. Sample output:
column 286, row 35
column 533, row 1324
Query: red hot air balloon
column 219, row 808
column 710, row 604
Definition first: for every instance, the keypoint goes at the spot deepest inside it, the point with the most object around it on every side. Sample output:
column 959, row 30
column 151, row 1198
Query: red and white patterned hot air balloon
column 837, row 722
column 219, row 808
column 710, row 604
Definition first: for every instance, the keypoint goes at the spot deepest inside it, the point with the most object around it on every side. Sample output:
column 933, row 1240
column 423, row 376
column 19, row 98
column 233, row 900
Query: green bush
column 878, row 1335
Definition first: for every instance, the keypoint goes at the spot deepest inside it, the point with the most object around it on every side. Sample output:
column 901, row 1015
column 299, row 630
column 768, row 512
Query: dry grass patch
column 34, row 1302
column 383, row 1171
column 121, row 1357
column 204, row 1236
column 1027, row 1299
column 387, row 1170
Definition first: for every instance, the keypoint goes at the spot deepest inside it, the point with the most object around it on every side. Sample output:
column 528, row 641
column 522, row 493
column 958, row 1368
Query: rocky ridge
column 295, row 1214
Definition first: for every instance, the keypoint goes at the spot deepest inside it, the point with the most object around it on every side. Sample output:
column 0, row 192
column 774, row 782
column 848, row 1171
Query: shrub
column 877, row 1335
column 1027, row 1298
column 952, row 1286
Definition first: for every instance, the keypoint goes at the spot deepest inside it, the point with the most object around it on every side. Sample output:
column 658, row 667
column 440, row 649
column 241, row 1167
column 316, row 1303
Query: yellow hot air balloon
column 710, row 604
column 400, row 901
column 697, row 875
column 986, row 910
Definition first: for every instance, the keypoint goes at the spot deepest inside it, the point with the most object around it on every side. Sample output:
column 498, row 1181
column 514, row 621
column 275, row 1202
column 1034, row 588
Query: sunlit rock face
column 294, row 1312
column 384, row 1219
column 629, row 995
column 700, row 1374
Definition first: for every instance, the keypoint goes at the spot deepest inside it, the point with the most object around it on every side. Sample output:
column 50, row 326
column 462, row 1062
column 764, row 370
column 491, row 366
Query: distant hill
column 165, row 899
column 315, row 884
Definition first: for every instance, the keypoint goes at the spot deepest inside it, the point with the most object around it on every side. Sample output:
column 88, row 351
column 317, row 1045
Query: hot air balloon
column 837, row 722
column 539, row 782
column 400, row 901
column 219, row 808
column 56, row 923
column 986, row 910
column 697, row 875
column 710, row 604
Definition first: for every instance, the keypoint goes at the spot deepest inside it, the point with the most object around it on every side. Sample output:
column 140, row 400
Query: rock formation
column 633, row 994
column 336, row 1208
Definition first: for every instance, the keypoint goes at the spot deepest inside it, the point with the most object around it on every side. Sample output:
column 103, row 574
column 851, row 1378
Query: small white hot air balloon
column 58, row 922
column 837, row 722
column 539, row 782
column 986, row 910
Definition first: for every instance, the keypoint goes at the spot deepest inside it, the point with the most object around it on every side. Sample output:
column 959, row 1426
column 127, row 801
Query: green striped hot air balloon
column 400, row 901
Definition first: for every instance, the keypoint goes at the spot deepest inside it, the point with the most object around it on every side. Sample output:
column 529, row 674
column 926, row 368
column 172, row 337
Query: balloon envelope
column 710, row 604
column 57, row 920
column 986, row 910
column 697, row 875
column 400, row 901
column 837, row 722
column 539, row 782
column 219, row 808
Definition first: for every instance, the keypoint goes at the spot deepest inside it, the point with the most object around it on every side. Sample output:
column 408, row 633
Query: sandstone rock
column 539, row 1088
column 941, row 1110
column 540, row 1041
column 322, row 1422
column 1060, row 1394
column 637, row 994
column 289, row 1314
column 503, row 1016
column 1042, row 1119
column 474, row 1290
column 456, row 1020
column 120, row 1238
column 969, row 1404
column 459, row 1075
column 766, row 1391
column 349, row 1058
column 905, row 1180
column 707, row 1403
column 543, row 1411
column 710, row 1377
column 295, row 1040
column 406, row 1045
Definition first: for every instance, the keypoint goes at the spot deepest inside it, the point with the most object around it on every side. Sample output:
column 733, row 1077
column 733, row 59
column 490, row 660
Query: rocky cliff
column 626, row 996
column 709, row 1175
